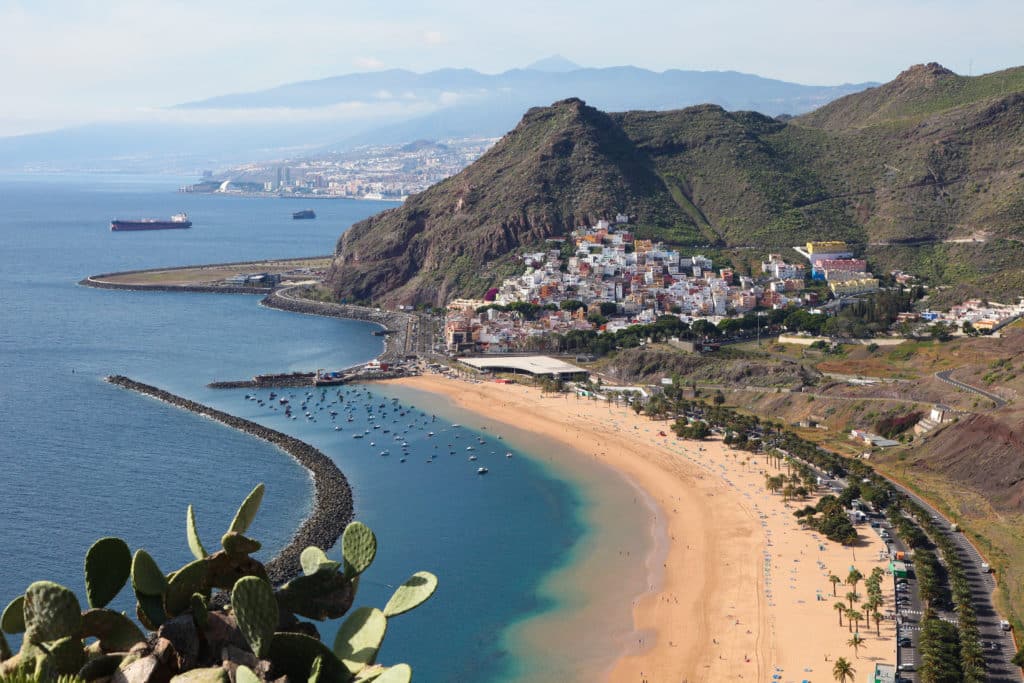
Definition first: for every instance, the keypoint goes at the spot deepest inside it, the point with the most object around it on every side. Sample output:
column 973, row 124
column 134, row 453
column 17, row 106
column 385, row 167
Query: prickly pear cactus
column 115, row 631
column 256, row 611
column 190, row 579
column 247, row 510
column 214, row 674
column 399, row 673
column 237, row 544
column 13, row 619
column 194, row 544
column 314, row 560
column 51, row 612
column 147, row 579
column 359, row 547
column 108, row 564
column 293, row 654
column 359, row 638
column 411, row 594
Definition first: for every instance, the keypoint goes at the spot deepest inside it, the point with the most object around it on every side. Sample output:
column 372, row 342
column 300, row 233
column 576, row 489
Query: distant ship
column 305, row 213
column 178, row 221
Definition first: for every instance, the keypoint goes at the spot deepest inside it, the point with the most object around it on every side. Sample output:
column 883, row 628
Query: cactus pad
column 313, row 560
column 411, row 594
column 194, row 544
column 359, row 547
column 150, row 610
column 51, row 612
column 236, row 544
column 399, row 673
column 359, row 638
column 115, row 631
column 314, row 672
column 244, row 674
column 108, row 564
column 192, row 578
column 200, row 611
column 147, row 579
column 256, row 611
column 368, row 674
column 13, row 619
column 214, row 674
column 293, row 654
column 322, row 596
column 66, row 655
column 247, row 510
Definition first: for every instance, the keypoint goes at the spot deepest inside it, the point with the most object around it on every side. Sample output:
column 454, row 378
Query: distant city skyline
column 70, row 63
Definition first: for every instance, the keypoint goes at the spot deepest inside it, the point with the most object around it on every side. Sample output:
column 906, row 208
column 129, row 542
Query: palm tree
column 855, row 642
column 843, row 671
column 877, row 617
column 841, row 608
column 849, row 612
column 851, row 596
column 835, row 582
column 855, row 617
column 854, row 577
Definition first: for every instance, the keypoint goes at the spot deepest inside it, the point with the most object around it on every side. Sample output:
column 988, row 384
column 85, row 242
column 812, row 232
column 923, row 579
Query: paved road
column 995, row 398
column 1000, row 669
column 1000, row 645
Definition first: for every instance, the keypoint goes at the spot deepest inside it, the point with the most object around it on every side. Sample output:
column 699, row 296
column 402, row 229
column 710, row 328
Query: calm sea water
column 80, row 459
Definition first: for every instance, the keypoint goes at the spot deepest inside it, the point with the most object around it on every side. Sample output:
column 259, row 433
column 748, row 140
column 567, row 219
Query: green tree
column 843, row 671
column 841, row 608
column 855, row 642
column 835, row 580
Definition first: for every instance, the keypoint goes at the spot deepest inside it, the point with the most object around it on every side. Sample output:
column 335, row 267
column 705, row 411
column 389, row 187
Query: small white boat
column 472, row 458
column 469, row 448
column 508, row 454
column 385, row 452
column 481, row 470
column 357, row 436
column 337, row 428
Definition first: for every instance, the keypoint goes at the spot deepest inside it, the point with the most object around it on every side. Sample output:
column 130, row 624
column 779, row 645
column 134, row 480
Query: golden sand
column 744, row 591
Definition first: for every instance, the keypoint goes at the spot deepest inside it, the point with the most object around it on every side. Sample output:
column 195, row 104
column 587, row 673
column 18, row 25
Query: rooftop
column 534, row 365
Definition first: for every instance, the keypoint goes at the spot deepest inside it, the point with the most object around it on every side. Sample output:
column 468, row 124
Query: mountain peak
column 924, row 74
column 554, row 64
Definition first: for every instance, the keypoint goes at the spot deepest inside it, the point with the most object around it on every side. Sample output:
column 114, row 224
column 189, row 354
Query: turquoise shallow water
column 81, row 459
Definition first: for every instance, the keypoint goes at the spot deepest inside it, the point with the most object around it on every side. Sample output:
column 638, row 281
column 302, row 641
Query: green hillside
column 931, row 162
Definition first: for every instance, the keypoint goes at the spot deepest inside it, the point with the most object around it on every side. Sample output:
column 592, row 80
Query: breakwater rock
column 332, row 501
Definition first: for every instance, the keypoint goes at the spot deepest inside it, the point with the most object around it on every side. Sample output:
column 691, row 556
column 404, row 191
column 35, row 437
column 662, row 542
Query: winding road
column 995, row 398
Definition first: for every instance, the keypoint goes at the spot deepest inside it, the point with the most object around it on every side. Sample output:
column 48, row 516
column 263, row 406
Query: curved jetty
column 332, row 502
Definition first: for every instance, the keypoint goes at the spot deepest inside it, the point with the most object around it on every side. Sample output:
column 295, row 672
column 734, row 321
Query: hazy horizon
column 75, row 64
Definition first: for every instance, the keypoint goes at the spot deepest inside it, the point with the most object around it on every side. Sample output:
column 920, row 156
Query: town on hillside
column 602, row 279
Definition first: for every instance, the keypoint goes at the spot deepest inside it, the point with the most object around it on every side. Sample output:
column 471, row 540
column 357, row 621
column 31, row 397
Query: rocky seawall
column 397, row 322
column 332, row 501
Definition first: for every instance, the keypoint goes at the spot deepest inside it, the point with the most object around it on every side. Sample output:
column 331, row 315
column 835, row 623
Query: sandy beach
column 743, row 591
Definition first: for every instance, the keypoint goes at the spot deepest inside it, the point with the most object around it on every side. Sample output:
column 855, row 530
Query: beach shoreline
column 743, row 591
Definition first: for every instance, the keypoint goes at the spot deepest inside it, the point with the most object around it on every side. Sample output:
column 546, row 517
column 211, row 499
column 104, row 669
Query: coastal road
column 995, row 398
column 999, row 644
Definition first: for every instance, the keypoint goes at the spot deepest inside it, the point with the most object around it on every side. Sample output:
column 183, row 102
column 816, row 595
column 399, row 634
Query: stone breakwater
column 332, row 501
column 398, row 323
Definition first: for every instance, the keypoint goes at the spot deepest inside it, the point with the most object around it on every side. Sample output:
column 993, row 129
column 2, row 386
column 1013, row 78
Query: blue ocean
column 81, row 459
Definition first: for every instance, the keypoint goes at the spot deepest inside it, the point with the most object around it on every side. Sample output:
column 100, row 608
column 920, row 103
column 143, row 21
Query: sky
column 69, row 62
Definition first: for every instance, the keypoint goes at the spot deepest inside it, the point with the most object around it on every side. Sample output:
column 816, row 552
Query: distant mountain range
column 925, row 173
column 391, row 106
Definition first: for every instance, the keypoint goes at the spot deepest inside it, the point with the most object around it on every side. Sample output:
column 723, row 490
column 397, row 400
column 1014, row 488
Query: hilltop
column 923, row 173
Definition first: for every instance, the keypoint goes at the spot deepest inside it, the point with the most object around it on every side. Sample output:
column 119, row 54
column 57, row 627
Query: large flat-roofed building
column 530, row 365
column 814, row 248
column 853, row 287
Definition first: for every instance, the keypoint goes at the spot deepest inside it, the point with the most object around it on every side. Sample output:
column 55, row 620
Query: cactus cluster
column 218, row 619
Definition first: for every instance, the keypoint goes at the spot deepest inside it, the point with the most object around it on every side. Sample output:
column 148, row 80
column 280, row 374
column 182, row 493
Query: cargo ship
column 178, row 221
column 304, row 214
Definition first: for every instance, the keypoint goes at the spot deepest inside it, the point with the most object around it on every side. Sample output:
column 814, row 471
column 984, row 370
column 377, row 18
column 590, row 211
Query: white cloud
column 433, row 37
